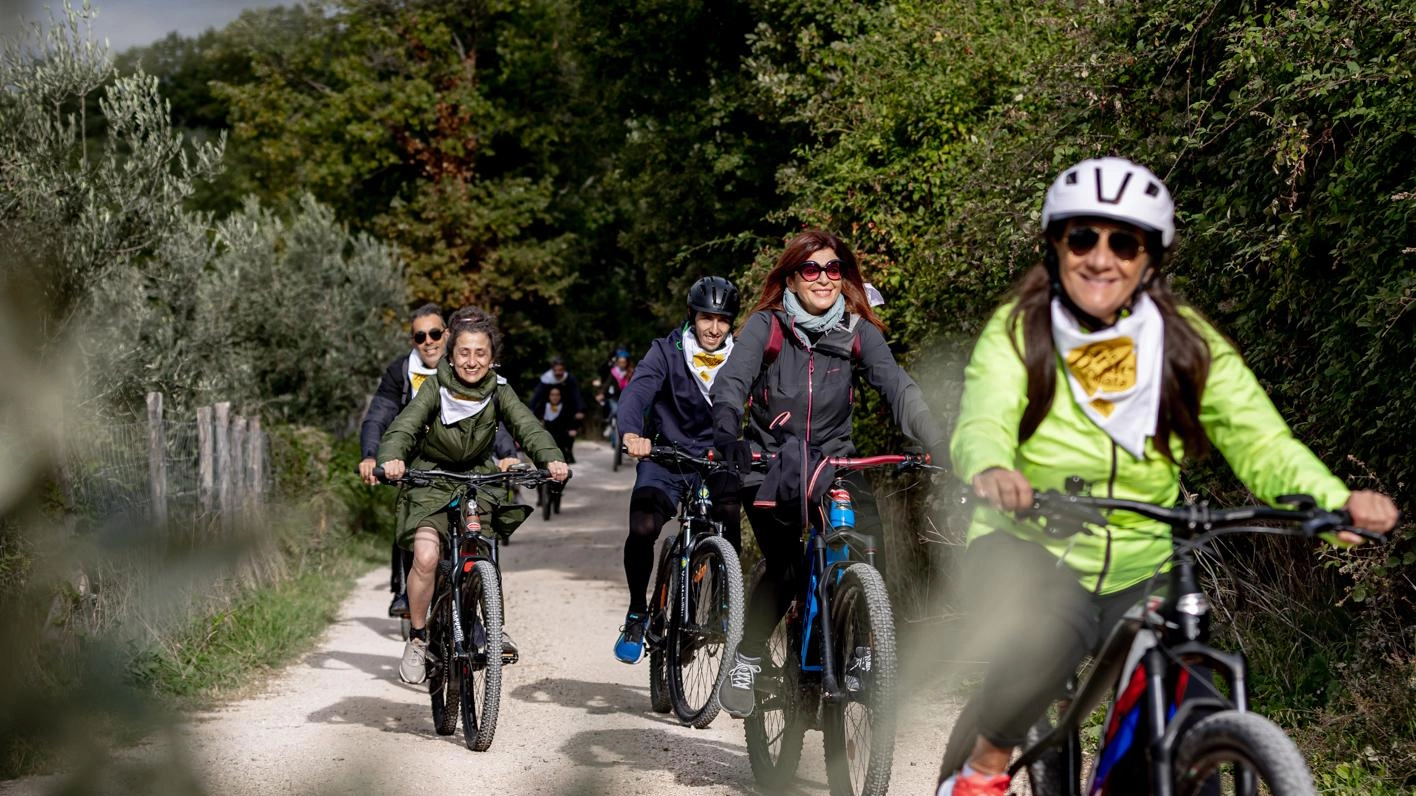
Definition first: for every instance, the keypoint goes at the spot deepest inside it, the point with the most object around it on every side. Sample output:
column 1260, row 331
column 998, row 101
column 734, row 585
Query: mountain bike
column 831, row 662
column 1210, row 744
column 465, row 655
column 696, row 608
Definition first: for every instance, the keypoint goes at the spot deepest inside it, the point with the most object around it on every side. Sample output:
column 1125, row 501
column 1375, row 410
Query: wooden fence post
column 206, row 461
column 223, row 459
column 255, row 463
column 238, row 465
column 157, row 459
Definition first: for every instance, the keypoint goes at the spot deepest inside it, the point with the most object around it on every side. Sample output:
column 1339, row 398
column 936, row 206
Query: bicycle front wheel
column 615, row 444
column 1237, row 752
column 444, row 688
column 699, row 645
column 480, row 670
column 859, row 728
column 776, row 727
column 546, row 497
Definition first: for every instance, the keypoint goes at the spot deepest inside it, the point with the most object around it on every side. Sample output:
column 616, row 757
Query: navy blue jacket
column 663, row 402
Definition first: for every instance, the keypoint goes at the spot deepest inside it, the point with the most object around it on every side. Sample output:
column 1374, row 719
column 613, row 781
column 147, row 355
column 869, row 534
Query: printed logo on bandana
column 1104, row 366
column 417, row 379
column 703, row 359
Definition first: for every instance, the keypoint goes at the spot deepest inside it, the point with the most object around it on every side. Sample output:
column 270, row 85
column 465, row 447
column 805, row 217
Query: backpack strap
column 774, row 340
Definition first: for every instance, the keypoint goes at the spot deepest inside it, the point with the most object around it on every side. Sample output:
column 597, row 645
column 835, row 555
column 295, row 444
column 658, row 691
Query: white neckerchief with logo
column 455, row 409
column 1114, row 373
column 418, row 373
column 703, row 363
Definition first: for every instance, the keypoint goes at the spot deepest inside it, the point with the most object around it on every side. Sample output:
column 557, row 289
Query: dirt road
column 573, row 719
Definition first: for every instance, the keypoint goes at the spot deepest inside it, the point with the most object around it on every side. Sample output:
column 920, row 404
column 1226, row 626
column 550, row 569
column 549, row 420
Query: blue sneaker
column 629, row 648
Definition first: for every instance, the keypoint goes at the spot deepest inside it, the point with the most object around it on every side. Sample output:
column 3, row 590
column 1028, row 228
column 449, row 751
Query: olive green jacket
column 1236, row 414
column 419, row 437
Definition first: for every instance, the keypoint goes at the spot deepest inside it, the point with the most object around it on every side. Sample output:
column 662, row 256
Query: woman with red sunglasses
column 1095, row 369
column 812, row 333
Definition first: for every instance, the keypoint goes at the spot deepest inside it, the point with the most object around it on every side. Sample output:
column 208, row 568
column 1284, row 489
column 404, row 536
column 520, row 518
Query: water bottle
column 842, row 515
column 842, row 518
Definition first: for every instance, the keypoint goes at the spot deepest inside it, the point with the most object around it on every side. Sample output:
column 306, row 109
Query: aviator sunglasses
column 811, row 270
column 435, row 334
column 1125, row 245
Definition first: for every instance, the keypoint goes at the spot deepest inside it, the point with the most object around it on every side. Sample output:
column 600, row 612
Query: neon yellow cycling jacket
column 1235, row 412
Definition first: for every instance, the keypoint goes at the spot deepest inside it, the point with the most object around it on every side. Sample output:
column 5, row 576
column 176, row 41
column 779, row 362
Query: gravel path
column 573, row 719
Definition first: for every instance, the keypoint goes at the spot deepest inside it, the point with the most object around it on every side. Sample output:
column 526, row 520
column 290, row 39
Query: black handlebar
column 1068, row 514
column 522, row 474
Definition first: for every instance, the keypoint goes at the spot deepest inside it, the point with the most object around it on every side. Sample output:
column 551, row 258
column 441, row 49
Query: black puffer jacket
column 807, row 393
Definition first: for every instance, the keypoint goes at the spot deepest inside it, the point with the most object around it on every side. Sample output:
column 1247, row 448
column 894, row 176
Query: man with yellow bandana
column 1095, row 369
column 666, row 403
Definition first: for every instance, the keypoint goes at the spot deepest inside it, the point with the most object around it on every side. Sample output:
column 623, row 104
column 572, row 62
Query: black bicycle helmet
column 716, row 295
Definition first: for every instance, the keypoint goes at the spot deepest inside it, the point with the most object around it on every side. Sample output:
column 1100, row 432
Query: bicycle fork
column 830, row 689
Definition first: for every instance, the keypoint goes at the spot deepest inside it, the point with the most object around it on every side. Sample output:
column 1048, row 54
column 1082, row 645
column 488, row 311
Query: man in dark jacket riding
column 666, row 403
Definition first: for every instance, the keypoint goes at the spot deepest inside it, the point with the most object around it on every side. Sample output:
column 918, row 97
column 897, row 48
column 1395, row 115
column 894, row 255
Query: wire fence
column 199, row 473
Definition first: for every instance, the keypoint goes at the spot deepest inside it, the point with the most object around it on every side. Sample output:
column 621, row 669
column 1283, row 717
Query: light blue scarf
column 816, row 324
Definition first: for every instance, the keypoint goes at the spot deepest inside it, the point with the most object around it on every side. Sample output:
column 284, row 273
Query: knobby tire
column 1223, row 743
column 443, row 686
column 859, row 729
column 698, row 650
column 480, row 671
column 658, row 629
column 776, row 728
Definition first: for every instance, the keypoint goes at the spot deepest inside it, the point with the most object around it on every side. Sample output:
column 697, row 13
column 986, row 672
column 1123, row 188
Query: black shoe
column 399, row 606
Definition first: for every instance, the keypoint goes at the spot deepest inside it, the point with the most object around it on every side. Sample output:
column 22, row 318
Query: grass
column 226, row 653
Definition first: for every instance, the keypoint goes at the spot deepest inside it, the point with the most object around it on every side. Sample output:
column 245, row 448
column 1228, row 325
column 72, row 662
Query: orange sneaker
column 974, row 785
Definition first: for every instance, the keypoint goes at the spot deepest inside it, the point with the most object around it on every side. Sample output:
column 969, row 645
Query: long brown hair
column 1183, row 374
column 798, row 250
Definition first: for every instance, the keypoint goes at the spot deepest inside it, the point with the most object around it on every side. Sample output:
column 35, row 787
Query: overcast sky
column 128, row 23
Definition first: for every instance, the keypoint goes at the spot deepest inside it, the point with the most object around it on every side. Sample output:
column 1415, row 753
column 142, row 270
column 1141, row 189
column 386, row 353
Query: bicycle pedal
column 509, row 658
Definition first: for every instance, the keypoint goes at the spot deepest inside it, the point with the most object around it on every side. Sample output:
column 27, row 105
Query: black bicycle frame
column 484, row 549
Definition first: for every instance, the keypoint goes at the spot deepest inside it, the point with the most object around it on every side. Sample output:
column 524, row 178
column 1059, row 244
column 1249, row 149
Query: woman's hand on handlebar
column 1370, row 510
column 1006, row 490
column 558, row 470
column 507, row 463
column 394, row 470
column 637, row 446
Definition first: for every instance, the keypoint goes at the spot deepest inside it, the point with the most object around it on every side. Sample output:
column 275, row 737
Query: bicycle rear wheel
column 443, row 687
column 546, row 497
column 699, row 646
column 658, row 630
column 1230, row 748
column 859, row 729
column 480, row 671
column 776, row 727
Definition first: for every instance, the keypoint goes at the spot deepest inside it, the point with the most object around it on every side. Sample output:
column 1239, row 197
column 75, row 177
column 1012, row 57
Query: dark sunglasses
column 419, row 337
column 811, row 270
column 1125, row 245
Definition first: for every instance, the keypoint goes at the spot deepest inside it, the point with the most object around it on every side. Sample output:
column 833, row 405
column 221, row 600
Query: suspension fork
column 1160, row 767
column 829, row 688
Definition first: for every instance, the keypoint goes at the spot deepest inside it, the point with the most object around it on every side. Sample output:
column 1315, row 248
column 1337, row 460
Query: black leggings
column 402, row 561
column 649, row 509
column 1034, row 622
column 779, row 535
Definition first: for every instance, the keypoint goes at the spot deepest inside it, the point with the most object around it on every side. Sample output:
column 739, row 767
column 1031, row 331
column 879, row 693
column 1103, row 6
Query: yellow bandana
column 708, row 362
column 417, row 379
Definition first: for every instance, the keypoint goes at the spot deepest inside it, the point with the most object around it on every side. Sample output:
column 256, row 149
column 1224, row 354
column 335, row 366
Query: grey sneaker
column 413, row 669
column 737, row 694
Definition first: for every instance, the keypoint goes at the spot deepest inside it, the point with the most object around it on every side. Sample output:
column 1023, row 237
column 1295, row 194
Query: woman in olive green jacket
column 450, row 424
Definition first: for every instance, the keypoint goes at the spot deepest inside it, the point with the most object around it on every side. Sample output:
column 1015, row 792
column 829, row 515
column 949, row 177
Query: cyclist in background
column 1095, row 369
column 450, row 425
column 558, row 420
column 812, row 333
column 667, row 404
column 400, row 382
column 571, row 399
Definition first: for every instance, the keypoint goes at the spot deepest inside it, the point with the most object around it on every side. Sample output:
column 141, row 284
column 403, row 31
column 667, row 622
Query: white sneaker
column 413, row 669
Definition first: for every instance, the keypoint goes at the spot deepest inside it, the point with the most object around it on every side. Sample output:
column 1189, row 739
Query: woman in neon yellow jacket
column 1095, row 369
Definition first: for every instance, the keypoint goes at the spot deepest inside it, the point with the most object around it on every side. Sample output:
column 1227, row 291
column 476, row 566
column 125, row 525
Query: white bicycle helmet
column 1113, row 188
